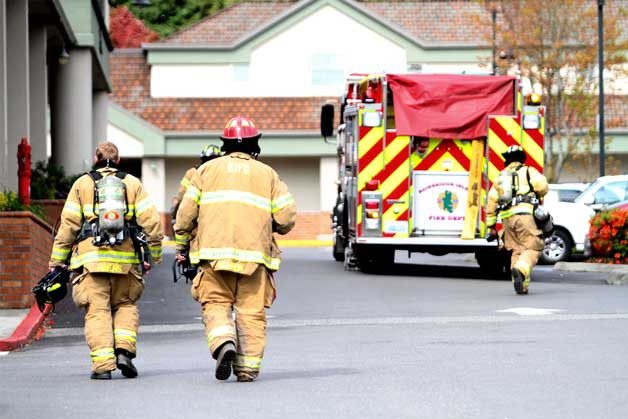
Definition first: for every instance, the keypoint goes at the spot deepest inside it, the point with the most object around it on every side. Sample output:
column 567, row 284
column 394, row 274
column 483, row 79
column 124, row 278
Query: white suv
column 605, row 191
column 571, row 227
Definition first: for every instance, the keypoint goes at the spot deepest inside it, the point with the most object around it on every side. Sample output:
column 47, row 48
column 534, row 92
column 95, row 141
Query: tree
column 127, row 31
column 554, row 44
column 168, row 16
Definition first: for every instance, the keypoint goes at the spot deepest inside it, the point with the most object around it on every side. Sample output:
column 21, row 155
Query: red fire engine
column 417, row 154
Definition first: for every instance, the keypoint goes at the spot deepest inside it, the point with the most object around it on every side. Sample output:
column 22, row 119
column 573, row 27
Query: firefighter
column 513, row 197
column 104, row 222
column 208, row 153
column 237, row 203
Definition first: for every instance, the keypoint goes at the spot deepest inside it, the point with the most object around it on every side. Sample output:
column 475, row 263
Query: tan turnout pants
column 524, row 240
column 111, row 314
column 223, row 292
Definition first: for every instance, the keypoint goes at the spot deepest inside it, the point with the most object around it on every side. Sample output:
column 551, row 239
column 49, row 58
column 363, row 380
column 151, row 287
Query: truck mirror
column 327, row 120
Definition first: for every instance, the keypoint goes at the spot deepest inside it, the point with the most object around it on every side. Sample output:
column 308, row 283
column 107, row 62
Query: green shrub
column 9, row 201
column 49, row 181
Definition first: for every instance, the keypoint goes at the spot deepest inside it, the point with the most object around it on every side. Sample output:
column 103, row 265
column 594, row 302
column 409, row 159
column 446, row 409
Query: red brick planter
column 25, row 243
column 52, row 209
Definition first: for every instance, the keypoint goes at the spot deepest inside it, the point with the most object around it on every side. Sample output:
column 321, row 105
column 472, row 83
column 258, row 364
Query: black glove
column 491, row 234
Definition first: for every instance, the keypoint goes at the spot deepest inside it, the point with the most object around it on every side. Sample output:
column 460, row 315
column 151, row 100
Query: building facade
column 54, row 81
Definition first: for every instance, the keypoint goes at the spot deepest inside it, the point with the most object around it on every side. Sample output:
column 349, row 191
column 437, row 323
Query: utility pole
column 600, row 47
column 494, row 19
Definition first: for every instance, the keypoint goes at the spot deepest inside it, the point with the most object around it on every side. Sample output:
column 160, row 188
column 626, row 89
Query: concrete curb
column 616, row 274
column 25, row 332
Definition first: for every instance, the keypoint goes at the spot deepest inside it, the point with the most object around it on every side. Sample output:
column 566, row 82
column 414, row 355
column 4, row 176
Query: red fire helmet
column 240, row 128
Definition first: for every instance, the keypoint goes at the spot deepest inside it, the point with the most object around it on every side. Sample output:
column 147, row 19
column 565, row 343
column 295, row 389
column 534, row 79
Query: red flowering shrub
column 609, row 236
column 127, row 31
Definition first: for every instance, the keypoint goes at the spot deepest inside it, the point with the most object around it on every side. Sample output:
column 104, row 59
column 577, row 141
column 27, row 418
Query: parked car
column 565, row 192
column 571, row 227
column 605, row 191
column 620, row 205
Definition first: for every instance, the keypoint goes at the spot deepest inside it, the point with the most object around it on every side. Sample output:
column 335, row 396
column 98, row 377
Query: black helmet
column 514, row 153
column 52, row 288
column 210, row 152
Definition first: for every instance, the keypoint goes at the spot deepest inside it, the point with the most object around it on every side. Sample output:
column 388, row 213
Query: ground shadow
column 440, row 271
column 306, row 374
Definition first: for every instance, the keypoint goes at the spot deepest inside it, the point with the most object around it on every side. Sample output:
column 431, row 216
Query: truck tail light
column 372, row 203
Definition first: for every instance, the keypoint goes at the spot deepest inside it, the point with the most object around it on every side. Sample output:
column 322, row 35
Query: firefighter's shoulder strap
column 96, row 175
column 529, row 182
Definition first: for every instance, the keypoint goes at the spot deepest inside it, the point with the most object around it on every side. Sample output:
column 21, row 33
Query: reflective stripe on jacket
column 236, row 201
column 183, row 185
column 539, row 186
column 79, row 207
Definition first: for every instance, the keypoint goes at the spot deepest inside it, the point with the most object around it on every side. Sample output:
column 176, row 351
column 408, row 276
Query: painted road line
column 380, row 321
column 530, row 311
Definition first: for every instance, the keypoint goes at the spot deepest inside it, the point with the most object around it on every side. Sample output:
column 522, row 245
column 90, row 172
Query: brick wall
column 310, row 225
column 52, row 209
column 25, row 243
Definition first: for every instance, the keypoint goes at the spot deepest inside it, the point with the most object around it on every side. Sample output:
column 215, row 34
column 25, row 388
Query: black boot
column 517, row 280
column 101, row 375
column 124, row 363
column 226, row 356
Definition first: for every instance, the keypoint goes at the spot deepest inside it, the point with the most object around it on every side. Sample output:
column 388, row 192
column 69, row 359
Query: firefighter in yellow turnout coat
column 513, row 197
column 208, row 153
column 237, row 203
column 109, row 283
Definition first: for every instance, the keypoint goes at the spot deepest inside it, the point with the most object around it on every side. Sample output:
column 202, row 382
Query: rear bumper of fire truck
column 428, row 244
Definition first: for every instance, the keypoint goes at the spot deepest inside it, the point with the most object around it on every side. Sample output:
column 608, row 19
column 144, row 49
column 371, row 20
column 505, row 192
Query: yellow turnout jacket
column 237, row 203
column 79, row 207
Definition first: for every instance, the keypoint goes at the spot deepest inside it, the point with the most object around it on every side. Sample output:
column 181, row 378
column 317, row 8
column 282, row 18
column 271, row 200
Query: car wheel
column 557, row 247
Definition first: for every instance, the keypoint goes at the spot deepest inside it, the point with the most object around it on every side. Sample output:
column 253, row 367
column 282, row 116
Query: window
column 568, row 195
column 611, row 193
column 326, row 69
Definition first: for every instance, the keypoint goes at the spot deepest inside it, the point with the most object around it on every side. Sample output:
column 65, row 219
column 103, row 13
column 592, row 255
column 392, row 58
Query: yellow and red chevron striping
column 389, row 166
column 505, row 131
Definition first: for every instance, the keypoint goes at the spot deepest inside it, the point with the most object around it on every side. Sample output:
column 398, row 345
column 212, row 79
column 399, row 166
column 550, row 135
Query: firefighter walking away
column 111, row 233
column 237, row 203
column 514, row 197
column 208, row 153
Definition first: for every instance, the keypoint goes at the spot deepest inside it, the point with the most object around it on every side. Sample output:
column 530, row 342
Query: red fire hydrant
column 24, row 171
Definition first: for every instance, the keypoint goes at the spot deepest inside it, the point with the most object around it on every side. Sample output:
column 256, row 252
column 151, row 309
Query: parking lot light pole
column 600, row 39
column 494, row 20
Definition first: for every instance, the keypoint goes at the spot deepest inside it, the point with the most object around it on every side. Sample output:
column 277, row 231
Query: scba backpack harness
column 111, row 206
column 509, row 182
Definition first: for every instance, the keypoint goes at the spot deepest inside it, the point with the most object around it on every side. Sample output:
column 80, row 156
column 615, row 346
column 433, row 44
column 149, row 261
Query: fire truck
column 417, row 154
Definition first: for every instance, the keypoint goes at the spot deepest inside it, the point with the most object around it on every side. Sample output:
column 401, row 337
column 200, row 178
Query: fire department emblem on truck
column 448, row 201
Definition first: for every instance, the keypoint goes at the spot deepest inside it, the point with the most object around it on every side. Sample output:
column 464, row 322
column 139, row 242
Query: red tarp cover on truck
column 449, row 106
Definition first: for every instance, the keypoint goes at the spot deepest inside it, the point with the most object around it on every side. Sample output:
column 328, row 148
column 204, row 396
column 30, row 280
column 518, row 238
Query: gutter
column 216, row 134
column 102, row 24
